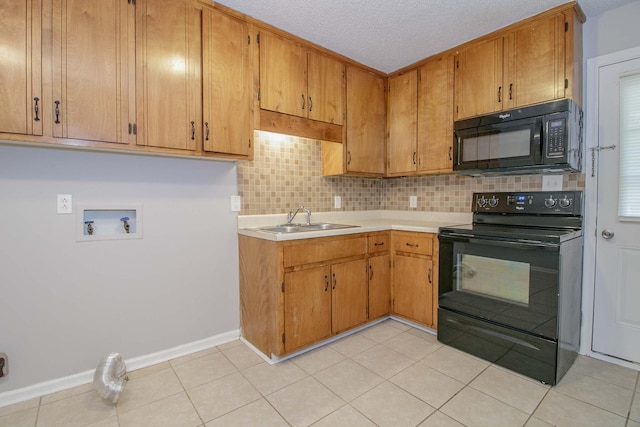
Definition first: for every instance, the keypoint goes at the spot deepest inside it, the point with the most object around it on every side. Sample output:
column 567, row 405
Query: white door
column 616, row 318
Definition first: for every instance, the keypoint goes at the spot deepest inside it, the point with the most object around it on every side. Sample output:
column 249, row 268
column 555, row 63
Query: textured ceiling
column 390, row 34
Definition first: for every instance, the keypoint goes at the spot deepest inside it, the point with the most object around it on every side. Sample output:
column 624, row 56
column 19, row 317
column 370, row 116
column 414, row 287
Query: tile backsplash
column 287, row 172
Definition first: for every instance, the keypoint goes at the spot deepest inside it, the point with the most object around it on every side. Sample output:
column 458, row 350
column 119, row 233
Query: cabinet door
column 349, row 295
column 226, row 84
column 412, row 288
column 478, row 79
column 379, row 286
column 93, row 68
column 283, row 75
column 169, row 74
column 365, row 122
column 325, row 89
column 435, row 116
column 534, row 63
column 307, row 307
column 403, row 117
column 20, row 66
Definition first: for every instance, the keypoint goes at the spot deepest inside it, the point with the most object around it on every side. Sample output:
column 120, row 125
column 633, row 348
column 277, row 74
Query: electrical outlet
column 4, row 365
column 337, row 202
column 413, row 201
column 65, row 204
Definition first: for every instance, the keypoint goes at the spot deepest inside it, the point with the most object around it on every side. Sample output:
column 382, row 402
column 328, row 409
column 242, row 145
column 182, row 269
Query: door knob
column 607, row 234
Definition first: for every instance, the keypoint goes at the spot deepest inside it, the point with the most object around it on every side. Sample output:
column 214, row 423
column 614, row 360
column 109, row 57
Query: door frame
column 591, row 200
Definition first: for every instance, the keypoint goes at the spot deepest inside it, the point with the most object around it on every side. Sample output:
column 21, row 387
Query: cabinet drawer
column 378, row 243
column 323, row 250
column 415, row 243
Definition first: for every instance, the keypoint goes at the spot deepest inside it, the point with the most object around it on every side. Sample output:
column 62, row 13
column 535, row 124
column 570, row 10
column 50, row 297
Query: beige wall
column 286, row 172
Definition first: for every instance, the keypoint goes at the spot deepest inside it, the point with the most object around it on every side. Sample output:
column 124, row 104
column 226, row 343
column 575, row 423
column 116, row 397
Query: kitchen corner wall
column 287, row 172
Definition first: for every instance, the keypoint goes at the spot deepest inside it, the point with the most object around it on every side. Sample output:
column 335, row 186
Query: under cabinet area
column 415, row 277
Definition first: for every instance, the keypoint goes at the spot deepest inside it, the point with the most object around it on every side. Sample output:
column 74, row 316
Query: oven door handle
column 516, row 244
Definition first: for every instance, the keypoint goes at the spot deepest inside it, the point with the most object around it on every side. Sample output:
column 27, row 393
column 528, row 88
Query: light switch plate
column 337, row 202
column 551, row 182
column 236, row 203
column 413, row 201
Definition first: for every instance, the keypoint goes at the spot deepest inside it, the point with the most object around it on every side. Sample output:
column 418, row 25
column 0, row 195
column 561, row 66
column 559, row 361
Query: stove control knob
column 565, row 202
column 493, row 202
column 481, row 201
column 550, row 202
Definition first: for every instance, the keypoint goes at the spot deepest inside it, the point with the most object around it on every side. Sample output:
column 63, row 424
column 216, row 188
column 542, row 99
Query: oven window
column 499, row 279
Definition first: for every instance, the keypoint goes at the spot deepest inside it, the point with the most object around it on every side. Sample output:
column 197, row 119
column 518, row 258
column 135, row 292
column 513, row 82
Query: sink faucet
column 292, row 214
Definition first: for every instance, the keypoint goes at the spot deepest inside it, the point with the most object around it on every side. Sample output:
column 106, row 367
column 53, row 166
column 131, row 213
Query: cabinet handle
column 348, row 157
column 413, row 245
column 429, row 276
column 510, row 90
column 500, row 94
column 370, row 272
column 413, row 157
column 334, row 281
column 36, row 109
column 193, row 130
column 57, row 112
column 378, row 244
column 450, row 151
column 303, row 101
column 326, row 283
column 206, row 131
column 310, row 104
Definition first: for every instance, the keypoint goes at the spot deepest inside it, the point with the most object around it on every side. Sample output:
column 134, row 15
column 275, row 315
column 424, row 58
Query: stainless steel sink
column 301, row 228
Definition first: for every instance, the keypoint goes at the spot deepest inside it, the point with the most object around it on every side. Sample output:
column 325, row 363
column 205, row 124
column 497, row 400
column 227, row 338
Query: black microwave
column 537, row 139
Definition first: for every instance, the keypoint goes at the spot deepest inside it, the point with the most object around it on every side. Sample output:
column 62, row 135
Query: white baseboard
column 52, row 386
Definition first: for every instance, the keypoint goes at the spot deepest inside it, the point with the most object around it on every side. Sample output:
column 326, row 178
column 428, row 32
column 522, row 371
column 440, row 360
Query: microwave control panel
column 556, row 137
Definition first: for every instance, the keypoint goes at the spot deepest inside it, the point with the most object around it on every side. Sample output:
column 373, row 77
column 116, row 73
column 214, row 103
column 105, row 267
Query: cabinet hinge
column 282, row 286
column 566, row 83
column 258, row 38
column 248, row 39
column 566, row 27
column 457, row 64
column 283, row 341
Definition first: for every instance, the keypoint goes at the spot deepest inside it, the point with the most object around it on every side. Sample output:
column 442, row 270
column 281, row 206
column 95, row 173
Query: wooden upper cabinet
column 93, row 70
column 20, row 66
column 402, row 123
column 534, row 68
column 169, row 74
column 533, row 63
column 478, row 79
column 435, row 116
column 365, row 123
column 226, row 84
column 299, row 82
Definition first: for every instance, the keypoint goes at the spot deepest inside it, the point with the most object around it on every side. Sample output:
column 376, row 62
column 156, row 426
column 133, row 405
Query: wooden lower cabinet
column 296, row 293
column 414, row 283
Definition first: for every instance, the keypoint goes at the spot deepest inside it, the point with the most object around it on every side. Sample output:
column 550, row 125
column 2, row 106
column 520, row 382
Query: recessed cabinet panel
column 20, row 67
column 92, row 64
column 168, row 74
column 226, row 75
column 403, row 117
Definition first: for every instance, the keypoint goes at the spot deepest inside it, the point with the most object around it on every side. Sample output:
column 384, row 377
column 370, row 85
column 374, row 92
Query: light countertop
column 365, row 222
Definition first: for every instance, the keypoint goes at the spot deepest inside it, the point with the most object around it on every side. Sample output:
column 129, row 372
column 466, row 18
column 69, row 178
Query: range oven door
column 508, row 283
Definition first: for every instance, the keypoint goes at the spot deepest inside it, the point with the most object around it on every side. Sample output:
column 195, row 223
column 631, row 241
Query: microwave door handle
column 537, row 141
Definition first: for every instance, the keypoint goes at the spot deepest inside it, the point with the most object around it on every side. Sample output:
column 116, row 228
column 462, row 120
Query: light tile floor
column 387, row 375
